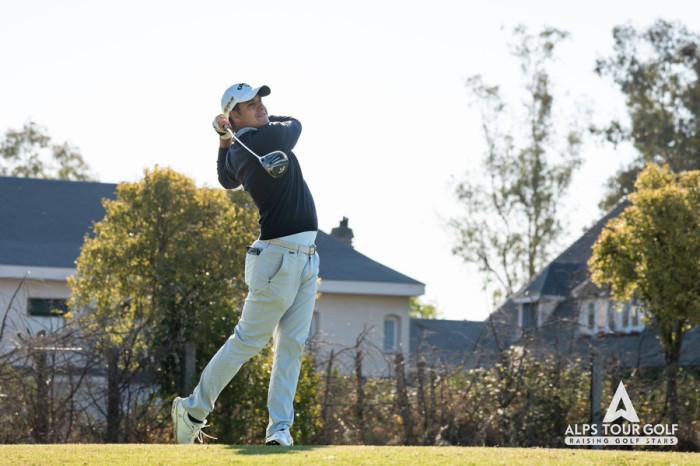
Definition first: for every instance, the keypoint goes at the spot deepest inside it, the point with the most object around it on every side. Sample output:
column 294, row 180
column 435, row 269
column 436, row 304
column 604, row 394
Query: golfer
column 281, row 267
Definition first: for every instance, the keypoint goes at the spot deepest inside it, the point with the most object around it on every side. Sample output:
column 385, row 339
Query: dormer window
column 601, row 316
column 529, row 316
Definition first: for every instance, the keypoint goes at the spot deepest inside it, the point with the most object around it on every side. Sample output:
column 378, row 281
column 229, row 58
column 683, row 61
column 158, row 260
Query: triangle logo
column 627, row 412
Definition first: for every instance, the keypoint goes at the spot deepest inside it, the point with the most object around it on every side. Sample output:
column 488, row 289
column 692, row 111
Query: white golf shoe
column 281, row 437
column 186, row 431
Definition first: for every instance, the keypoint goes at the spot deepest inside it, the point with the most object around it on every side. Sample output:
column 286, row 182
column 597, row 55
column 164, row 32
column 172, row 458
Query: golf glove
column 218, row 123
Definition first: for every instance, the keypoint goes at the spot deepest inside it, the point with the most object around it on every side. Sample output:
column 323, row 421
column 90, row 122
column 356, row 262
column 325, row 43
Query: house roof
column 555, row 280
column 570, row 268
column 44, row 223
column 642, row 349
column 340, row 261
column 581, row 249
column 444, row 341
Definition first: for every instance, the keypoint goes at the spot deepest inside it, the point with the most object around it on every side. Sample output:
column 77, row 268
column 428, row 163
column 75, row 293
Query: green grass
column 123, row 455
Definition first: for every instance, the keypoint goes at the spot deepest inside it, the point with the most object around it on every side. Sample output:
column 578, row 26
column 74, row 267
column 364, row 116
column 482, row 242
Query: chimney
column 343, row 232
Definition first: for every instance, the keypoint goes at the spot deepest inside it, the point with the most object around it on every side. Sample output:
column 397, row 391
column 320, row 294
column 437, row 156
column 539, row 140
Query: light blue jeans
column 281, row 294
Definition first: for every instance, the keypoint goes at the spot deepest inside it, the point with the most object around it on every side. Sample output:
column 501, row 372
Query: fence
column 53, row 389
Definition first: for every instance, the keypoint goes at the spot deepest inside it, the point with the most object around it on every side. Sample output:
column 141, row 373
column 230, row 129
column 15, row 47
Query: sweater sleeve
column 281, row 134
column 226, row 176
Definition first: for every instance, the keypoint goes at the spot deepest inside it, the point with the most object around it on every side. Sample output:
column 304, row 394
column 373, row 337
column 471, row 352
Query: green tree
column 650, row 253
column 418, row 310
column 511, row 222
column 30, row 153
column 657, row 71
column 163, row 272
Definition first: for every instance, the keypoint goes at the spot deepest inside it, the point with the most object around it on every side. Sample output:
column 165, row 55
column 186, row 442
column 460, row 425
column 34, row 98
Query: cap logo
column 228, row 105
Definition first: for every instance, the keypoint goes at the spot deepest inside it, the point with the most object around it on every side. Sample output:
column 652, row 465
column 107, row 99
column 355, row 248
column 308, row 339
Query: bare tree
column 511, row 219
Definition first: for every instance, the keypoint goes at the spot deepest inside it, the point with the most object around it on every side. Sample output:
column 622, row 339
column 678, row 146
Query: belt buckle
column 312, row 250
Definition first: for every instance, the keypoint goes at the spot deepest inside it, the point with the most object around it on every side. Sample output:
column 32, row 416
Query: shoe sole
column 275, row 442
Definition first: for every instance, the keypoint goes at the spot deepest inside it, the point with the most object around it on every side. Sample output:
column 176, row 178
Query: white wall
column 14, row 311
column 342, row 318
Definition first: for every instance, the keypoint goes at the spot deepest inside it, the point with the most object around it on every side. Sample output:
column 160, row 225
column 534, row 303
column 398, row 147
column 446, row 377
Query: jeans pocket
column 265, row 269
column 276, row 267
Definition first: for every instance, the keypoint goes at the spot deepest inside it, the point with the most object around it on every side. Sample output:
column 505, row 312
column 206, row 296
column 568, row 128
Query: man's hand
column 218, row 125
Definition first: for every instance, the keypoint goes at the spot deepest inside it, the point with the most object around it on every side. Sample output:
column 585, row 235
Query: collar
column 242, row 131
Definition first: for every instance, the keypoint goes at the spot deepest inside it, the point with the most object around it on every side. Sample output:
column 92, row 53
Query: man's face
column 250, row 114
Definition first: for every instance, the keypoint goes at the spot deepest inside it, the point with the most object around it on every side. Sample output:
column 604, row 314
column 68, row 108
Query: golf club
column 275, row 163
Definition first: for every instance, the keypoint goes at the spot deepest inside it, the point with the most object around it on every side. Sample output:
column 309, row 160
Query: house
column 363, row 305
column 41, row 234
column 43, row 223
column 561, row 311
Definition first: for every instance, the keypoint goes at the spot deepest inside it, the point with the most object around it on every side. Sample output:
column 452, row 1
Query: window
column 625, row 316
column 586, row 318
column 529, row 316
column 591, row 316
column 611, row 316
column 391, row 334
column 634, row 311
column 600, row 317
column 45, row 307
column 631, row 318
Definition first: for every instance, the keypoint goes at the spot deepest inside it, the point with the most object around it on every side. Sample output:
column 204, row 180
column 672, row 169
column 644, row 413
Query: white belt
column 310, row 251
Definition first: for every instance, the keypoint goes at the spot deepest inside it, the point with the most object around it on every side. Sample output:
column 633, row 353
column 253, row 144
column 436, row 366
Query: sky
column 379, row 87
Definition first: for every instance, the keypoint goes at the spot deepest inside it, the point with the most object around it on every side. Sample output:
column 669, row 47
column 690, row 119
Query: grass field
column 126, row 455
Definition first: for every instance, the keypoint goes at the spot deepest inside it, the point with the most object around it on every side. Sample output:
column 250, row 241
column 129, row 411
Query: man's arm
column 281, row 134
column 226, row 177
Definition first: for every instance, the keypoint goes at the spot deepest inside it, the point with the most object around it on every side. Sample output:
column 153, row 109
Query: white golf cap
column 240, row 92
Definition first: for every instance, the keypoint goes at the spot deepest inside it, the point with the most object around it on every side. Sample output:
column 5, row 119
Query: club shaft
column 230, row 131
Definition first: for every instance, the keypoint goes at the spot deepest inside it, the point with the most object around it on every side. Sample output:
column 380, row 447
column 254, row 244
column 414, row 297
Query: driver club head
column 275, row 163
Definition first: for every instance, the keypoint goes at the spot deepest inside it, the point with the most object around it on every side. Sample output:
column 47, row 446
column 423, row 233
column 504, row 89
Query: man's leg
column 251, row 334
column 289, row 339
column 262, row 311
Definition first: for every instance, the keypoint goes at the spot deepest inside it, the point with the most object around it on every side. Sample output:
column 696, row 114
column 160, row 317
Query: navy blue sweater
column 285, row 204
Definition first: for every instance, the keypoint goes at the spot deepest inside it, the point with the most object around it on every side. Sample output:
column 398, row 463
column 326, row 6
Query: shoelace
column 199, row 435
